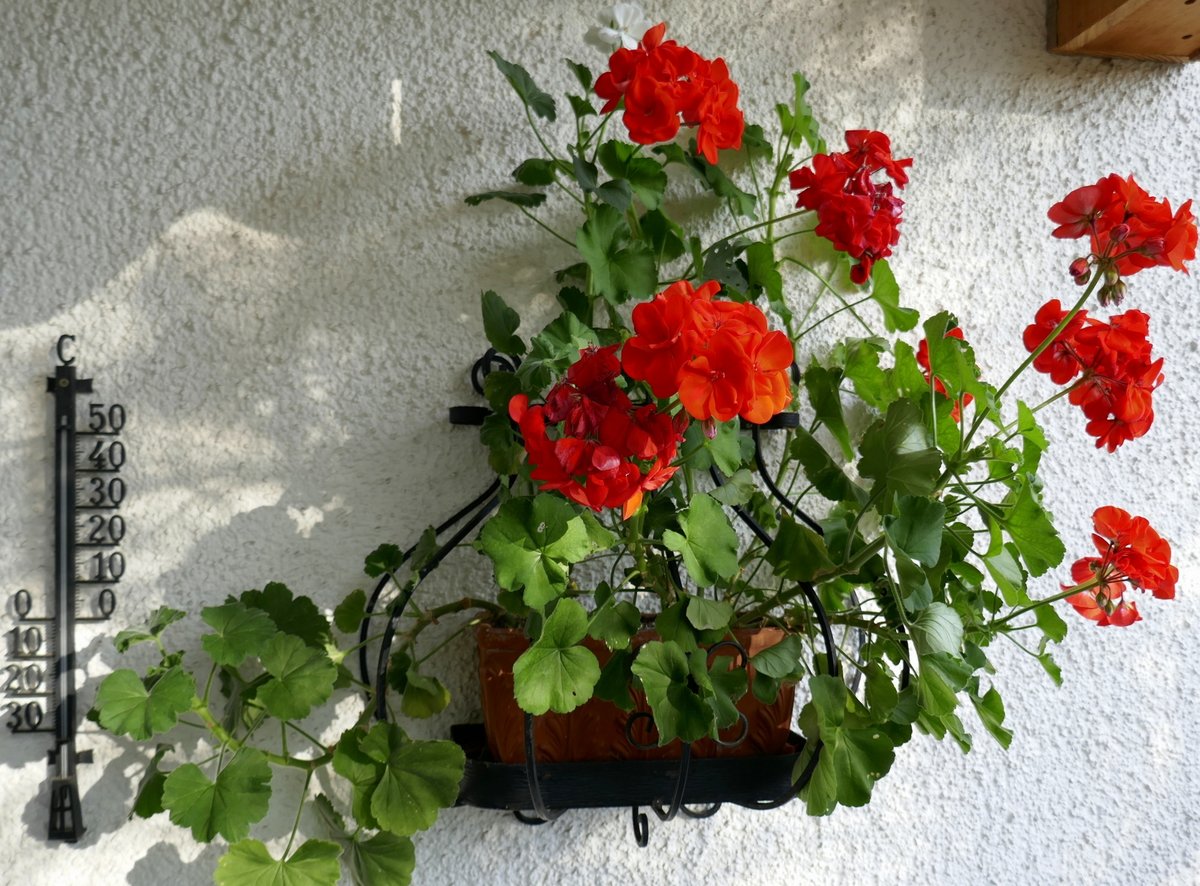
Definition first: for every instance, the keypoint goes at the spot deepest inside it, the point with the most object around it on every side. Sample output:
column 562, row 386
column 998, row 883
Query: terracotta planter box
column 596, row 730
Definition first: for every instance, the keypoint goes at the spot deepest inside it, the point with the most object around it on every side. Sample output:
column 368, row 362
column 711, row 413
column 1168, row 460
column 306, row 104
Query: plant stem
column 299, row 810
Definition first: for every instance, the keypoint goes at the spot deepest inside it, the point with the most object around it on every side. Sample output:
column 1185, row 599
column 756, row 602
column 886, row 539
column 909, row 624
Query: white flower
column 622, row 25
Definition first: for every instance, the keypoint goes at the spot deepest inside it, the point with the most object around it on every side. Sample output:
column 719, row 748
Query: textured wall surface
column 251, row 215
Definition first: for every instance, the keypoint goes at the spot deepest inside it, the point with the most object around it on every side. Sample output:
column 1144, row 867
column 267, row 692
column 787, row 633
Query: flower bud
column 1119, row 233
column 1111, row 276
column 709, row 426
column 1080, row 271
column 1113, row 293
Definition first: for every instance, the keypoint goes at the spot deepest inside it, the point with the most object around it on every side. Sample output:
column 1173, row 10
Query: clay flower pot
column 597, row 730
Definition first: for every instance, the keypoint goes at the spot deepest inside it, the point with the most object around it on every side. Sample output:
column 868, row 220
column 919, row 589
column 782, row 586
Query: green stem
column 1037, row 352
column 299, row 809
column 1016, row 613
column 754, row 227
column 829, row 288
column 845, row 307
column 545, row 227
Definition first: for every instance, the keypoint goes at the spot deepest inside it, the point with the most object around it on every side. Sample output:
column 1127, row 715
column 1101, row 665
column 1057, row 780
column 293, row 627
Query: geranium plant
column 686, row 388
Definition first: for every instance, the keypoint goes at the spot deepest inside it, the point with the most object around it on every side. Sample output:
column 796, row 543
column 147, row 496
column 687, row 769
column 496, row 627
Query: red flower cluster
column 1130, row 552
column 923, row 362
column 718, row 356
column 1118, row 375
column 663, row 83
column 854, row 213
column 1129, row 229
column 605, row 452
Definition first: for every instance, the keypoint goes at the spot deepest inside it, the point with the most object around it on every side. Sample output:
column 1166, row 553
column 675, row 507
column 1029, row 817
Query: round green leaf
column 227, row 806
column 301, row 677
column 127, row 707
column 556, row 673
column 249, row 863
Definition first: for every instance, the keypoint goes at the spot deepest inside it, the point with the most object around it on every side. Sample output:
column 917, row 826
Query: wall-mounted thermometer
column 88, row 485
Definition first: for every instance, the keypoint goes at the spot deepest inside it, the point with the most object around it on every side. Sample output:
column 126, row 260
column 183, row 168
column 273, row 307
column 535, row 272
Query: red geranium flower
column 589, row 442
column 1129, row 230
column 665, row 85
column 1118, row 375
column 718, row 356
column 1131, row 553
column 857, row 215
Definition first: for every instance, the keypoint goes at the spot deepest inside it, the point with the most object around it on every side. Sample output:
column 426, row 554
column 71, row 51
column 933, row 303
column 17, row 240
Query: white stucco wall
column 265, row 255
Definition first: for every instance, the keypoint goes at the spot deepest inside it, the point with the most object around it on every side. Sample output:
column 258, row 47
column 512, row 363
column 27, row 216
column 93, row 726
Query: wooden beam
column 1157, row 30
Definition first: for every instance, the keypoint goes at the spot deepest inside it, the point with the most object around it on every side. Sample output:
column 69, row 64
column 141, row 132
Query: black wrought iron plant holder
column 537, row 793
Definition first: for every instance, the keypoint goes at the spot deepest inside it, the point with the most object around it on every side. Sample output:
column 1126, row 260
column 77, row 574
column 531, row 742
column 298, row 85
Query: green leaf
column 857, row 752
column 860, row 362
column 941, row 677
column 645, row 176
column 127, row 706
column 886, row 293
column 556, row 673
column 679, row 712
column 726, row 685
column 663, row 235
column 1033, row 441
column 917, row 532
column 147, row 800
column 423, row 696
column 228, row 806
column 160, row 619
column 351, row 611
column 582, row 74
column 399, row 785
column 736, row 490
column 762, row 272
column 297, row 616
column 614, row 624
column 616, row 194
column 554, row 349
column 899, row 454
column 528, row 199
column 381, row 860
column 537, row 101
column 301, row 678
column 500, row 324
column 798, row 553
column 1048, row 664
column 728, row 450
column 938, row 628
column 1006, row 571
column 385, row 558
column 797, row 122
column 1051, row 623
column 505, row 453
column 826, row 400
column 620, row 269
column 990, row 708
column 531, row 543
column 615, row 676
column 249, row 863
column 709, row 615
column 584, row 170
column 914, row 584
column 240, row 630
column 953, row 361
column 822, row 471
column 1028, row 525
column 536, row 172
column 783, row 661
column 418, row 778
column 708, row 543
